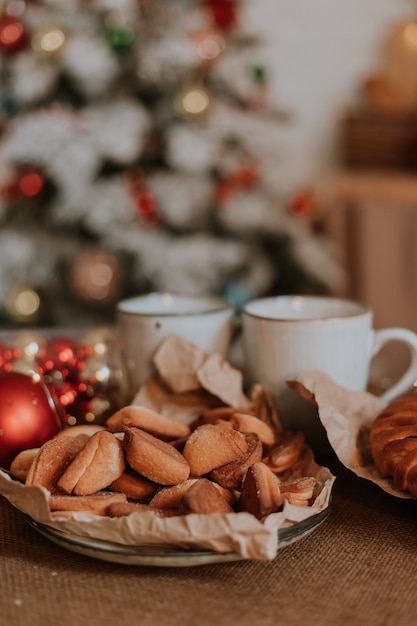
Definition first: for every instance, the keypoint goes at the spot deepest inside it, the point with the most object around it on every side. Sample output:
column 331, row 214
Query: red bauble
column 29, row 415
column 7, row 356
column 31, row 184
column 12, row 35
column 302, row 203
column 223, row 13
column 61, row 353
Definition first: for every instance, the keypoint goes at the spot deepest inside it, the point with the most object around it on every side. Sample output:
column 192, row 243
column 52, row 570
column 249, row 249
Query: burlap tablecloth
column 358, row 567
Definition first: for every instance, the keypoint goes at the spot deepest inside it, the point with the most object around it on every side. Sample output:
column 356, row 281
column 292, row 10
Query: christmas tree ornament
column 104, row 374
column 99, row 386
column 27, row 348
column 29, row 415
column 29, row 343
column 245, row 177
column 259, row 73
column 31, row 184
column 209, row 45
column 8, row 103
column 7, row 357
column 102, row 390
column 48, row 40
column 223, row 13
column 238, row 292
column 95, row 276
column 302, row 203
column 120, row 37
column 119, row 31
column 223, row 192
column 145, row 202
column 61, row 363
column 12, row 34
column 60, row 354
column 23, row 305
column 260, row 96
column 146, row 206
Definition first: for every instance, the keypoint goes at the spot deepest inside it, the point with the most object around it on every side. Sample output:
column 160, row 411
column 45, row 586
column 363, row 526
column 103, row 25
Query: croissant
column 393, row 442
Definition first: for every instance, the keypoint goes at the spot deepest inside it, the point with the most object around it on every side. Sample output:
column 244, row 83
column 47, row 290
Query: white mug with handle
column 285, row 335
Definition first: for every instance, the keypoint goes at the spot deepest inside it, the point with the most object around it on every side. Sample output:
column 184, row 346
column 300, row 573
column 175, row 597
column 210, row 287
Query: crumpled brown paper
column 347, row 417
column 239, row 533
column 188, row 381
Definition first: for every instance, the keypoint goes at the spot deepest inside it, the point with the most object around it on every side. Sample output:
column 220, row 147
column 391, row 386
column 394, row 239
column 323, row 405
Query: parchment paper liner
column 347, row 417
column 235, row 532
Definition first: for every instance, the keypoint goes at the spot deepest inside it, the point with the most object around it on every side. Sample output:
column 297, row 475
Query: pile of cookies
column 227, row 460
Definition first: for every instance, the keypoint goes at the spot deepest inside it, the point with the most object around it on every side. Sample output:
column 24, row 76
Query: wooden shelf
column 374, row 186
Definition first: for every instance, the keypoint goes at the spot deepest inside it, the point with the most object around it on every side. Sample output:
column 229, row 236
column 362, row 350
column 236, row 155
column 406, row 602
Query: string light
column 48, row 41
column 23, row 304
column 16, row 8
column 193, row 101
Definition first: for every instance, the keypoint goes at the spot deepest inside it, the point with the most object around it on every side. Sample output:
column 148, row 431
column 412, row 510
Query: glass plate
column 165, row 556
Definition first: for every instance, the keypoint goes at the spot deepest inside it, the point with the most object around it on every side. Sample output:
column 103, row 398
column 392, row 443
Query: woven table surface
column 358, row 567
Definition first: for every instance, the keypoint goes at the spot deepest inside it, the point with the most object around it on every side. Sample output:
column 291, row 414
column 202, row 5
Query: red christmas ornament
column 12, row 35
column 223, row 13
column 31, row 184
column 145, row 202
column 61, row 353
column 29, row 415
column 7, row 357
column 147, row 207
column 245, row 177
column 223, row 192
column 302, row 203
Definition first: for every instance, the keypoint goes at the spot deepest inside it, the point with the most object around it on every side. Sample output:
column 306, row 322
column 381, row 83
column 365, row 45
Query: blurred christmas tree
column 138, row 151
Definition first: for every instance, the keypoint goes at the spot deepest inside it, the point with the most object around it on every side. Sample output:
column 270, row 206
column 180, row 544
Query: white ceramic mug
column 145, row 320
column 285, row 335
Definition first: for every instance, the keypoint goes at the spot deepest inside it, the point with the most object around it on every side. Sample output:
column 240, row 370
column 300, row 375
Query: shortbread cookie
column 260, row 493
column 213, row 445
column 96, row 466
column 21, row 463
column 52, row 460
column 203, row 497
column 231, row 474
column 153, row 458
column 96, row 503
column 148, row 420
column 134, row 486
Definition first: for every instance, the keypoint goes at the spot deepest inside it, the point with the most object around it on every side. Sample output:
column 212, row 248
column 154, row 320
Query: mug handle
column 409, row 378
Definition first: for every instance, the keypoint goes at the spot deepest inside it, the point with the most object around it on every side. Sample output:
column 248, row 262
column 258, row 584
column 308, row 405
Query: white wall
column 317, row 52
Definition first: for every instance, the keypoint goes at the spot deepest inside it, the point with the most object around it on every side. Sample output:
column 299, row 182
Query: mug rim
column 221, row 304
column 361, row 308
